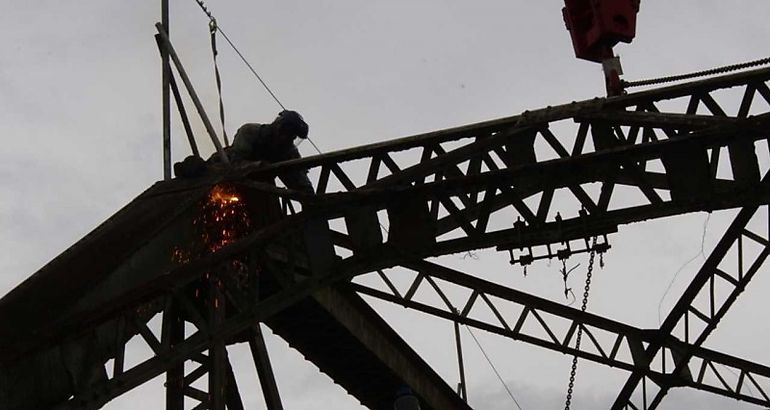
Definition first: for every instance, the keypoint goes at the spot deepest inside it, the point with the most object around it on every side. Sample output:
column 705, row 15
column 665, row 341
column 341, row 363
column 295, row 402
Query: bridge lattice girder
column 564, row 173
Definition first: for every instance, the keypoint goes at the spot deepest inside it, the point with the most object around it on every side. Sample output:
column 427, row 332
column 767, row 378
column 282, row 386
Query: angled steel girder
column 374, row 333
column 553, row 326
column 464, row 175
column 436, row 156
column 695, row 323
column 468, row 175
column 344, row 306
column 430, row 146
column 625, row 349
column 352, row 344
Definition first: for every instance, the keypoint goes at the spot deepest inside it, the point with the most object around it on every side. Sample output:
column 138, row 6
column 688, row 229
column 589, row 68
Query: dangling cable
column 586, row 289
column 314, row 146
column 213, row 30
column 219, row 28
column 494, row 369
column 216, row 27
column 253, row 71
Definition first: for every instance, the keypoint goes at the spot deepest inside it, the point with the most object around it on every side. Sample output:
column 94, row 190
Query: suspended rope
column 586, row 289
column 214, row 52
column 704, row 73
column 215, row 27
column 494, row 369
column 253, row 71
column 314, row 146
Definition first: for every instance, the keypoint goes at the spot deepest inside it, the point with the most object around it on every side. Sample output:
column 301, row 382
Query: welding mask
column 292, row 123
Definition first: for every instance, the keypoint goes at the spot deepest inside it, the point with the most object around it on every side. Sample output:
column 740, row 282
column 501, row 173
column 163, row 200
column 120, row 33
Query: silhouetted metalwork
column 556, row 176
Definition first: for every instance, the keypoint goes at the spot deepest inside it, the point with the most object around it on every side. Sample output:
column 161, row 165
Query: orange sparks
column 223, row 195
column 223, row 219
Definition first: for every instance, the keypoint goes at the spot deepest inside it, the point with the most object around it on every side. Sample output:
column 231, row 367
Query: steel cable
column 478, row 344
column 492, row 365
column 215, row 24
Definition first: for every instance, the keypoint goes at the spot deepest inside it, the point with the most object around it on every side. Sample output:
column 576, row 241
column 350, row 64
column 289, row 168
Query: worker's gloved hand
column 191, row 167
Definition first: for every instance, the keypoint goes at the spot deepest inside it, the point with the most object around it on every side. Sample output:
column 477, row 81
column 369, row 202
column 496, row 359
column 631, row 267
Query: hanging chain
column 586, row 289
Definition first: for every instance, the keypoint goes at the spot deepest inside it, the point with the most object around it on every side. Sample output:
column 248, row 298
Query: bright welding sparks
column 223, row 195
column 223, row 219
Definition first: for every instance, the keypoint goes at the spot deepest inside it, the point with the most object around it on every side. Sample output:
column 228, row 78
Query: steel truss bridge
column 567, row 173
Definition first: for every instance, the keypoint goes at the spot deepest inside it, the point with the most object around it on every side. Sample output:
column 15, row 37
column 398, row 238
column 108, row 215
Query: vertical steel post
column 264, row 369
column 166, row 68
column 217, row 349
column 173, row 333
column 179, row 104
column 462, row 388
column 193, row 95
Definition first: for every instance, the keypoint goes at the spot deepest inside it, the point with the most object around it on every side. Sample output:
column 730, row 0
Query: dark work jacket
column 258, row 142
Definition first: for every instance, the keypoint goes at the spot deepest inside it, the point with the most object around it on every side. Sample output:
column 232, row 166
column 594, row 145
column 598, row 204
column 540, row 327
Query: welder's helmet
column 291, row 123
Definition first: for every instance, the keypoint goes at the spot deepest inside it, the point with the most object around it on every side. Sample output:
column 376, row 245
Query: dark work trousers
column 297, row 179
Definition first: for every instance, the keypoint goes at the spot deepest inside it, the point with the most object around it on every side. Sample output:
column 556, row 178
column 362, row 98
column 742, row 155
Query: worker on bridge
column 274, row 142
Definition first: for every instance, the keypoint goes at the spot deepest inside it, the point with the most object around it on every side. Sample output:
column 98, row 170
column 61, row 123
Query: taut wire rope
column 216, row 27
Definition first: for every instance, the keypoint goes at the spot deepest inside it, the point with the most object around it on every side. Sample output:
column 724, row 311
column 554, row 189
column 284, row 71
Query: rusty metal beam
column 380, row 339
column 264, row 369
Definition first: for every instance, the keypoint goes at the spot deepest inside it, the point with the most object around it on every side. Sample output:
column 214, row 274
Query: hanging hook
column 568, row 292
column 565, row 275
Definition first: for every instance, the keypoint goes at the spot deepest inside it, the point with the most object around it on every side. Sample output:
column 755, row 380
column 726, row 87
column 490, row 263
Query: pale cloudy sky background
column 81, row 136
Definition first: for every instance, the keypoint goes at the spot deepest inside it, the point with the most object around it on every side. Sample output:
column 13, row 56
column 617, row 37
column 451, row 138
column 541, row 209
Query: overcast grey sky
column 81, row 127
